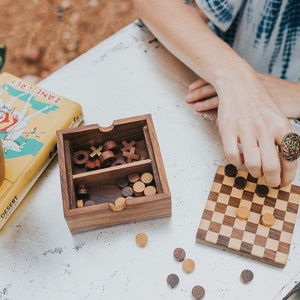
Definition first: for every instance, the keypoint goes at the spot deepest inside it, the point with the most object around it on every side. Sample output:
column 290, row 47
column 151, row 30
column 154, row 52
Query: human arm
column 247, row 114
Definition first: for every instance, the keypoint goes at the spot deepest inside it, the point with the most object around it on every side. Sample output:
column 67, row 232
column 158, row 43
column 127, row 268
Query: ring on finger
column 290, row 147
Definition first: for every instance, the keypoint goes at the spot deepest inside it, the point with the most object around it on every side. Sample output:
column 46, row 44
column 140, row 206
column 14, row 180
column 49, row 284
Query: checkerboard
column 219, row 226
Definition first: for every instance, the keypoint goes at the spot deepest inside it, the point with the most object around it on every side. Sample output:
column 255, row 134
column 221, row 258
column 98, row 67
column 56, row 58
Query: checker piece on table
column 219, row 227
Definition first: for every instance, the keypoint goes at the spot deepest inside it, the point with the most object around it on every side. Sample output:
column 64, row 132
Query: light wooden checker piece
column 219, row 227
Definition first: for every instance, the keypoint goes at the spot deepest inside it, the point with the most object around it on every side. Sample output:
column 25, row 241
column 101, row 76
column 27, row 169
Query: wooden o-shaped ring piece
column 111, row 145
column 80, row 157
column 106, row 158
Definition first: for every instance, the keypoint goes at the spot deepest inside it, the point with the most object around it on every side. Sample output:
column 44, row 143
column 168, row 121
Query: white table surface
column 131, row 74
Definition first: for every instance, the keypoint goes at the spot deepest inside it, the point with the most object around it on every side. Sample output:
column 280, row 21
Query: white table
column 131, row 74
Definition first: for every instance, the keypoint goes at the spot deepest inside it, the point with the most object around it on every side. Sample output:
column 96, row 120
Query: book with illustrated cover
column 29, row 119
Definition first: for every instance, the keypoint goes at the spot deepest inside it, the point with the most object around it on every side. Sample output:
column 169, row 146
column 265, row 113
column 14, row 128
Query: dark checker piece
column 172, row 280
column 262, row 190
column 240, row 182
column 230, row 170
column 219, row 227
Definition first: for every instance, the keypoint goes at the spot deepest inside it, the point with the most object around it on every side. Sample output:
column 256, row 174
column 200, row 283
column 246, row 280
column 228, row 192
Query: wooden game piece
column 111, row 145
column 131, row 155
column 82, row 191
column 242, row 213
column 119, row 205
column 118, row 162
column 262, row 190
column 147, row 178
column 127, row 146
column 79, row 203
column 240, row 182
column 80, row 158
column 95, row 151
column 230, row 170
column 92, row 164
column 133, row 177
column 268, row 220
column 138, row 188
column 198, row 292
column 106, row 158
column 172, row 280
column 89, row 203
column 220, row 228
column 122, row 182
column 188, row 265
column 246, row 276
column 127, row 191
column 179, row 254
column 150, row 190
column 141, row 239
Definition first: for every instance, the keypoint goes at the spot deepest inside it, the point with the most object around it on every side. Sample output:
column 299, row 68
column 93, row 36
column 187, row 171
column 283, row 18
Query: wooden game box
column 136, row 152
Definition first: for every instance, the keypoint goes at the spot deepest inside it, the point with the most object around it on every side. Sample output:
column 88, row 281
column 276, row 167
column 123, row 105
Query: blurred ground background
column 43, row 35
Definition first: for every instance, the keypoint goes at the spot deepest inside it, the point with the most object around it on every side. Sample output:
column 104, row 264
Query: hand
column 255, row 122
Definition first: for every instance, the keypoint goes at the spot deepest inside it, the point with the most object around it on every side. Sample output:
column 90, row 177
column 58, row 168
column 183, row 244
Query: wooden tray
column 102, row 183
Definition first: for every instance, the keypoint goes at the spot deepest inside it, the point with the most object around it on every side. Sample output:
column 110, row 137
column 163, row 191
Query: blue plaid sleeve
column 220, row 12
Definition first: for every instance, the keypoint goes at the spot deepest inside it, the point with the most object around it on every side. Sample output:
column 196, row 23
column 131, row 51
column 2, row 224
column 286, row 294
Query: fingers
column 261, row 158
column 208, row 104
column 202, row 93
column 231, row 149
column 288, row 170
column 197, row 84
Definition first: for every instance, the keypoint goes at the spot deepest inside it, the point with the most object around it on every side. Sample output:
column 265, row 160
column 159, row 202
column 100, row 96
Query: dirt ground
column 43, row 35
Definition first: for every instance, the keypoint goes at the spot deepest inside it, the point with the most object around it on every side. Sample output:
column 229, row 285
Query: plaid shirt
column 266, row 33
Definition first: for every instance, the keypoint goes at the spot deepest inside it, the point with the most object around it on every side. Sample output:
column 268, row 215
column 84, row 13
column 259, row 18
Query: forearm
column 184, row 32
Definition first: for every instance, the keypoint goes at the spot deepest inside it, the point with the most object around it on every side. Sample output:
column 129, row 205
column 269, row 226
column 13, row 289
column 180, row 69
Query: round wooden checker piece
column 242, row 213
column 262, row 190
column 127, row 191
column 179, row 254
column 240, row 182
column 172, row 280
column 246, row 276
column 150, row 190
column 147, row 178
column 79, row 203
column 82, row 191
column 133, row 177
column 89, row 203
column 268, row 220
column 198, row 292
column 122, row 182
column 138, row 188
column 188, row 265
column 230, row 170
column 80, row 158
column 141, row 239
